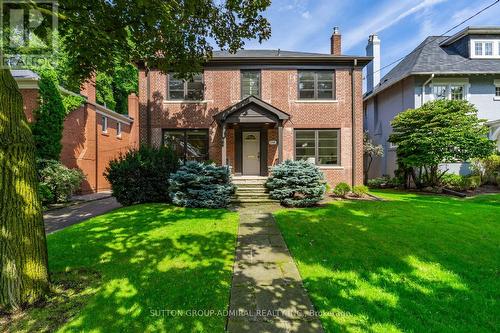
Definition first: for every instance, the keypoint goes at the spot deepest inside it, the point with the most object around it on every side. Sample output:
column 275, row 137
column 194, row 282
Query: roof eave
column 290, row 60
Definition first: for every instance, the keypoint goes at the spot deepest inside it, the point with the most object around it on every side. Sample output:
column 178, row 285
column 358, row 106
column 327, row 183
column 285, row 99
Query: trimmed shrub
column 473, row 182
column 487, row 168
column 359, row 191
column 460, row 183
column 57, row 182
column 379, row 182
column 296, row 184
column 198, row 184
column 142, row 175
column 341, row 189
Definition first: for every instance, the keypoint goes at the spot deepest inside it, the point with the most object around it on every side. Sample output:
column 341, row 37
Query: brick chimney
column 88, row 89
column 336, row 42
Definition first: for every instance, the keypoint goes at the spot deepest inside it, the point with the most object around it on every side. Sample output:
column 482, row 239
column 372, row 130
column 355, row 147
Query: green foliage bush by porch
column 359, row 191
column 296, row 184
column 341, row 189
column 142, row 175
column 460, row 183
column 198, row 184
column 57, row 182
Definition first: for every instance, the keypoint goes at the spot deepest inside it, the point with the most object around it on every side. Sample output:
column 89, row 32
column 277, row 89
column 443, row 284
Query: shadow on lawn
column 151, row 258
column 416, row 263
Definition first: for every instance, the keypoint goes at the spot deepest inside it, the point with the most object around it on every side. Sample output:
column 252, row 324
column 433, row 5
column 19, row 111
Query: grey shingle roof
column 429, row 57
column 24, row 74
column 266, row 53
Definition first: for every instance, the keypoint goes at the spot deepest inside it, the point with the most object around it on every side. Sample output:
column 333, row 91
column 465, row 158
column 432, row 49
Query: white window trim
column 104, row 124
column 496, row 83
column 448, row 82
column 496, row 48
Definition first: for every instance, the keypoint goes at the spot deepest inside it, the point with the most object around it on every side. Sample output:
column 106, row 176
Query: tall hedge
column 296, row 184
column 198, row 184
column 49, row 117
column 142, row 175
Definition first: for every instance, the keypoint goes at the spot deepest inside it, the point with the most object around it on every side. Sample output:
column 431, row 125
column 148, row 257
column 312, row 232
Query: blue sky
column 306, row 25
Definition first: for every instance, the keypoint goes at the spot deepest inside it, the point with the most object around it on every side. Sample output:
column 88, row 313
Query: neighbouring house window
column 316, row 85
column 320, row 147
column 478, row 48
column 189, row 144
column 119, row 129
column 439, row 91
column 485, row 49
column 488, row 49
column 250, row 83
column 497, row 91
column 457, row 92
column 104, row 124
column 449, row 91
column 180, row 89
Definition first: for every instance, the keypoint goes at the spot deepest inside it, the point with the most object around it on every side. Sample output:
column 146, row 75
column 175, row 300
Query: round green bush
column 57, row 182
column 359, row 191
column 142, row 175
column 341, row 189
column 198, row 184
column 296, row 184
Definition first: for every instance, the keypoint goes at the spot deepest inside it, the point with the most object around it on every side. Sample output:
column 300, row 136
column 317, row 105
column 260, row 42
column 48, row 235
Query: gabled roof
column 432, row 58
column 268, row 108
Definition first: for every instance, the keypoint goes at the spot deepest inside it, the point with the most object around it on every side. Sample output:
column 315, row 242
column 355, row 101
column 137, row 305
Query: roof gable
column 249, row 110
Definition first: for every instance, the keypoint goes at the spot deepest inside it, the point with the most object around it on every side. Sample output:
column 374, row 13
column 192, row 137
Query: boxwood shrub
column 57, row 183
column 142, row 175
column 296, row 184
column 198, row 184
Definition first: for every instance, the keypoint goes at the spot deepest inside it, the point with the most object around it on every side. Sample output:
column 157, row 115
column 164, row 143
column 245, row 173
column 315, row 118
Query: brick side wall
column 279, row 88
column 84, row 146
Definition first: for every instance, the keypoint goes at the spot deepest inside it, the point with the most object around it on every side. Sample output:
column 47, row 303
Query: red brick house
column 93, row 134
column 255, row 108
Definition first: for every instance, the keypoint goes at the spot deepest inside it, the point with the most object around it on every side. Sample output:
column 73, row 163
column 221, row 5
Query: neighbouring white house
column 463, row 66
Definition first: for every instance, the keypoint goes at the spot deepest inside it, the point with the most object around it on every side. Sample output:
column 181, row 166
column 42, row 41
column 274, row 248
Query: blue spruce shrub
column 296, row 184
column 198, row 184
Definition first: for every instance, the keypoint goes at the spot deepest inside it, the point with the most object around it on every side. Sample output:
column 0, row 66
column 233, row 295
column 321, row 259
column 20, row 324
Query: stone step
column 251, row 189
column 241, row 180
column 254, row 200
column 240, row 185
column 251, row 195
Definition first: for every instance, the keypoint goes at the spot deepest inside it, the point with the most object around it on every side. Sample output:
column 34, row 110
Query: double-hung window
column 189, row 144
column 449, row 90
column 119, row 129
column 104, row 124
column 497, row 90
column 316, row 84
column 321, row 147
column 250, row 83
column 180, row 89
column 485, row 48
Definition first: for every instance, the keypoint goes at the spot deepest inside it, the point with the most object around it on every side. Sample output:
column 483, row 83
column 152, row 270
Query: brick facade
column 84, row 144
column 279, row 87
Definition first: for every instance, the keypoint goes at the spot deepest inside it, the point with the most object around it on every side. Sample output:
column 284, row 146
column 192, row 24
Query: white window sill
column 166, row 101
column 316, row 101
column 333, row 167
column 496, row 98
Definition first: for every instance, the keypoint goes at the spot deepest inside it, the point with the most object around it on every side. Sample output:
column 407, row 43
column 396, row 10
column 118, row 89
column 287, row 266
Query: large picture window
column 320, row 147
column 188, row 144
column 316, row 84
column 180, row 89
column 449, row 91
column 250, row 83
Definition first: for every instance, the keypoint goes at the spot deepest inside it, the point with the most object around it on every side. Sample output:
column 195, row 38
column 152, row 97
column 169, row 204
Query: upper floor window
column 119, row 129
column 485, row 49
column 250, row 83
column 104, row 124
column 316, row 84
column 497, row 90
column 449, row 90
column 180, row 89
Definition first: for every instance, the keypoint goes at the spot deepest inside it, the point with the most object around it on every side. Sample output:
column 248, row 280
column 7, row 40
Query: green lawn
column 413, row 263
column 125, row 267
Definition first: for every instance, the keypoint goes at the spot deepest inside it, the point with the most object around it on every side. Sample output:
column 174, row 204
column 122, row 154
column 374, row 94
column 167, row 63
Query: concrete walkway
column 267, row 295
column 58, row 219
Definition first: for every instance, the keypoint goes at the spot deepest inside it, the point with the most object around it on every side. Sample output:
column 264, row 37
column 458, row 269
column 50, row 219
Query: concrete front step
column 251, row 195
column 254, row 200
column 251, row 189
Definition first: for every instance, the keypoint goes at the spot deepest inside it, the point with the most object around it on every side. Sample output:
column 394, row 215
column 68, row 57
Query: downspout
column 353, row 124
column 423, row 88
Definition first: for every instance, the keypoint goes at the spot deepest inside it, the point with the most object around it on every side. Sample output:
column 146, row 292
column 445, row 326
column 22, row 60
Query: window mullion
column 316, row 145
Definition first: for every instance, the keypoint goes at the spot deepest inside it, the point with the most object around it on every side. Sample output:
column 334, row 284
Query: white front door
column 251, row 153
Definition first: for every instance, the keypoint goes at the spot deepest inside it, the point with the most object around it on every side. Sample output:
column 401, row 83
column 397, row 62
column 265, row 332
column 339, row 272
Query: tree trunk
column 23, row 248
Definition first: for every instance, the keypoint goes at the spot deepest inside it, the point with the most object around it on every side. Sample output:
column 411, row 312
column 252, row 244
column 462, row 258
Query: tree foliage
column 49, row 117
column 442, row 131
column 296, row 183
